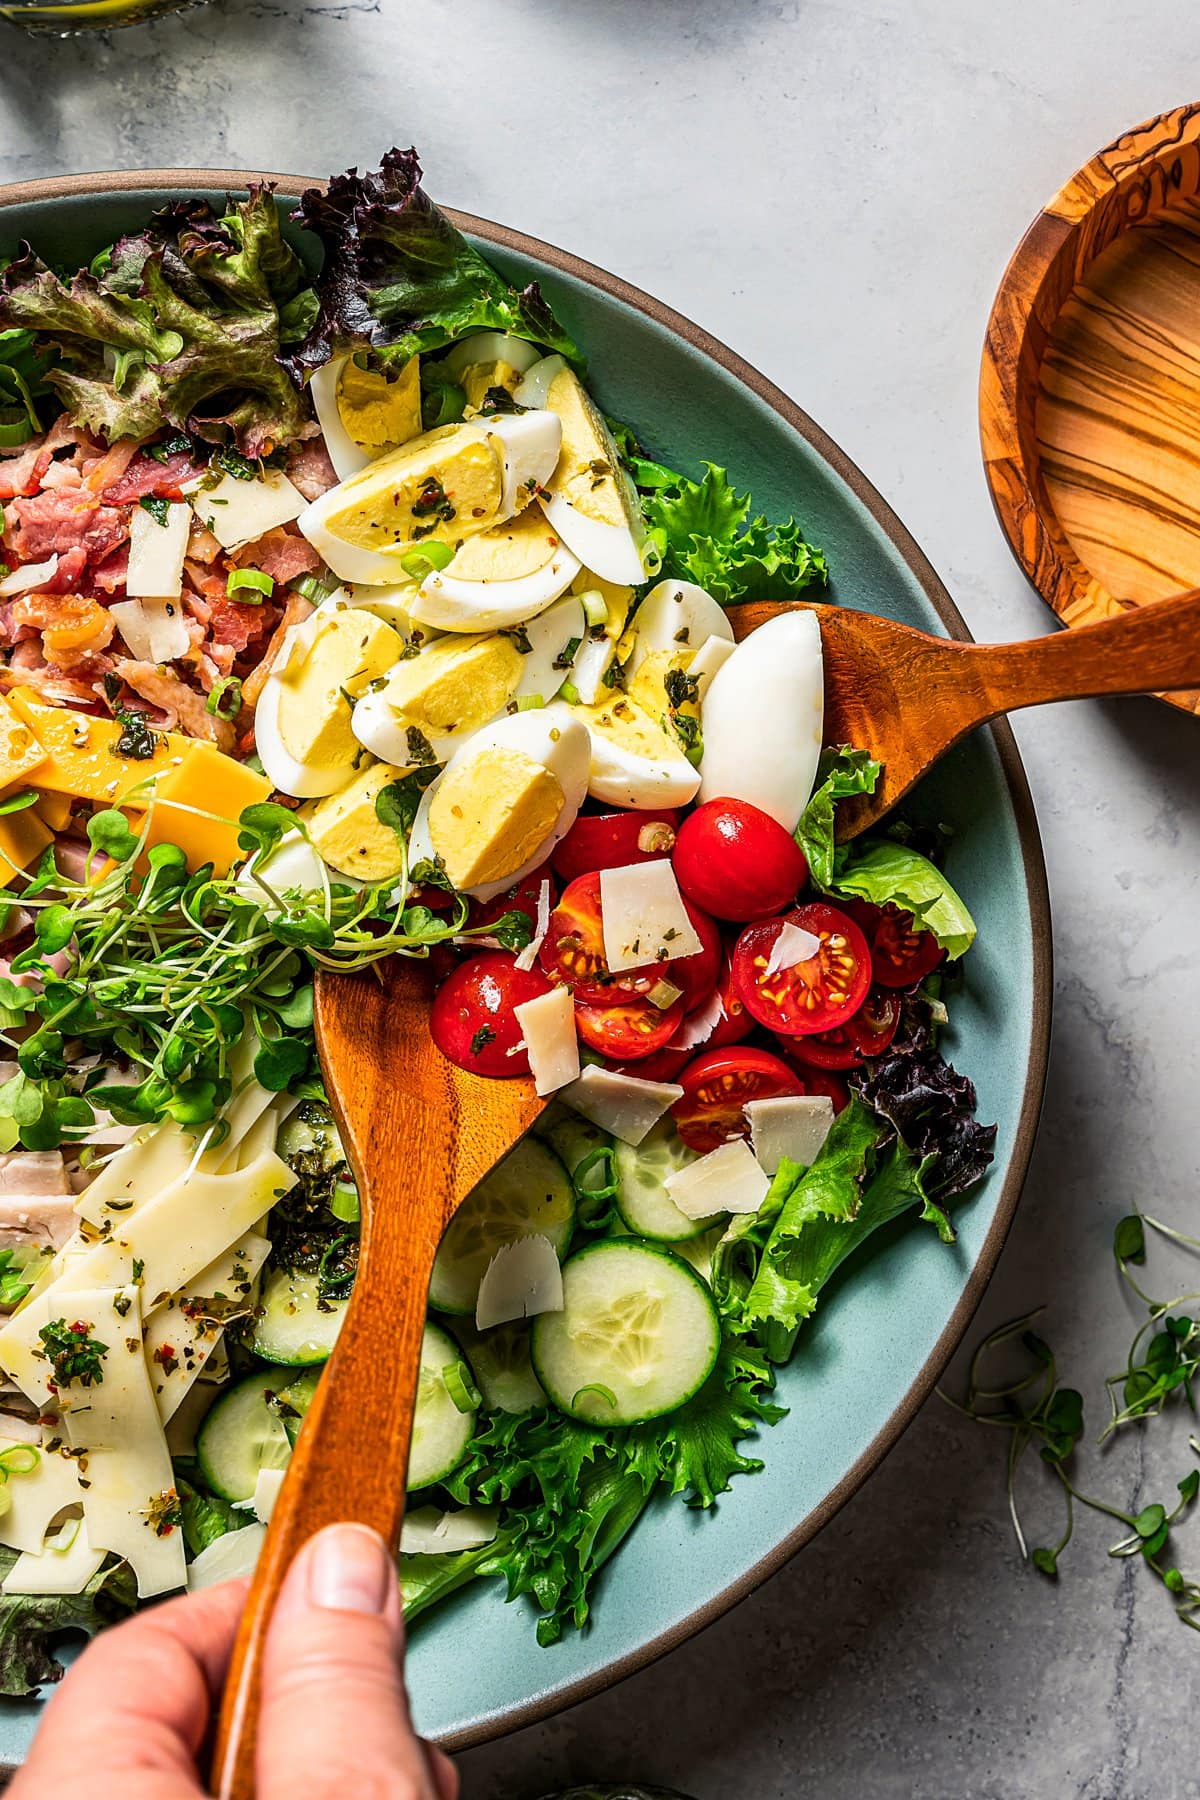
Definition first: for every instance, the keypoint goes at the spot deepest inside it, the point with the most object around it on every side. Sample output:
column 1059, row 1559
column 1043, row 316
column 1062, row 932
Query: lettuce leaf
column 930, row 1106
column 179, row 325
column 22, row 383
column 399, row 278
column 881, row 870
column 704, row 534
column 840, row 773
column 30, row 1624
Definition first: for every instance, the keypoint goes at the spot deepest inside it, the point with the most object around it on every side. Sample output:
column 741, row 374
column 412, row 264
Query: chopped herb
column 165, row 1512
column 72, row 1354
column 178, row 445
column 235, row 464
column 481, row 1039
column 518, row 637
column 567, row 654
column 499, row 400
column 432, row 502
column 420, row 750
column 156, row 506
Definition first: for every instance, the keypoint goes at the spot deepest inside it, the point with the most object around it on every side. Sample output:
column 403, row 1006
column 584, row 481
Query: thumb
column 334, row 1706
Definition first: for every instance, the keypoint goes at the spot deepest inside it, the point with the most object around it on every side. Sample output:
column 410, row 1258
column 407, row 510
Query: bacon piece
column 208, row 583
column 202, row 546
column 233, row 623
column 101, row 472
column 27, row 668
column 109, row 576
column 183, row 706
column 62, row 475
column 62, row 520
column 294, row 613
column 281, row 554
column 145, row 476
column 310, row 469
column 72, row 625
column 22, row 474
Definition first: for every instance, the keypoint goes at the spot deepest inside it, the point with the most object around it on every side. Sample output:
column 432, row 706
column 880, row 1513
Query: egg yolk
column 458, row 687
column 587, row 472
column 492, row 814
column 377, row 412
column 315, row 694
column 507, row 552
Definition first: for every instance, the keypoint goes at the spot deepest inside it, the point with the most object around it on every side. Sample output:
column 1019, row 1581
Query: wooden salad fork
column 420, row 1133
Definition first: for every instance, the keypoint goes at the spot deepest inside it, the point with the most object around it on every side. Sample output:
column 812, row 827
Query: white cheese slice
column 125, row 1476
column 624, row 1105
column 149, row 1163
column 156, row 553
column 35, row 1498
column 522, row 1279
column 548, row 1026
column 526, row 958
column 793, row 1125
column 793, row 945
column 173, row 1235
column 227, row 1557
column 267, row 1484
column 29, row 575
column 430, row 1532
column 699, row 1026
column 238, row 511
column 643, row 916
column 726, row 1180
column 183, row 1334
column 153, row 629
column 713, row 652
column 64, row 1566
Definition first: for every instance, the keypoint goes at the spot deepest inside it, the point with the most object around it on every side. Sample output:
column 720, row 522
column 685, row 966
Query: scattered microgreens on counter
column 169, row 968
column 1034, row 1408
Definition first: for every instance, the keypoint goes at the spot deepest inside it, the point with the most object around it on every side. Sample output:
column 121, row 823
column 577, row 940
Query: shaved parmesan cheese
column 521, row 1280
column 592, row 663
column 156, row 554
column 622, row 1104
column 154, row 630
column 793, row 945
column 526, row 958
column 227, row 1557
column 31, row 575
column 65, row 1566
column 699, row 1026
column 34, row 1499
column 429, row 1532
column 548, row 1027
column 726, row 1180
column 130, row 1483
column 795, row 1126
column 708, row 659
column 266, row 1492
column 237, row 511
column 644, row 917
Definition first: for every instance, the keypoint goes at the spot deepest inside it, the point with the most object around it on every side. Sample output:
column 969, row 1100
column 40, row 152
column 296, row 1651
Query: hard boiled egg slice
column 363, row 412
column 489, row 359
column 553, row 637
column 762, row 719
column 503, row 801
column 589, row 498
column 499, row 578
column 674, row 620
column 302, row 723
column 394, row 606
column 633, row 762
column 437, row 698
column 444, row 486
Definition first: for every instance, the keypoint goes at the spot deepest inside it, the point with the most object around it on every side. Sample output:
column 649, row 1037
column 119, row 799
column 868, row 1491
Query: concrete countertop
column 833, row 189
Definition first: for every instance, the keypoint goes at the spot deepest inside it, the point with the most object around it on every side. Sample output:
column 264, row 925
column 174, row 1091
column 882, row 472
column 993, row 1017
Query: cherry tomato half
column 627, row 1028
column 613, row 840
column 521, row 897
column 809, row 996
column 472, row 1018
column 901, row 953
column 696, row 975
column 737, row 861
column 572, row 952
column 868, row 1033
column 736, row 1021
column 716, row 1088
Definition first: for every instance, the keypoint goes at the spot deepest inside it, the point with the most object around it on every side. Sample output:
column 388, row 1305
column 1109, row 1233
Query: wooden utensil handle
column 1144, row 651
column 375, row 1363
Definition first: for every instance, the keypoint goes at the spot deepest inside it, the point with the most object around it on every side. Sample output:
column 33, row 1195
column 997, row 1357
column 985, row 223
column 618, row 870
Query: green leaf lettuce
column 882, row 870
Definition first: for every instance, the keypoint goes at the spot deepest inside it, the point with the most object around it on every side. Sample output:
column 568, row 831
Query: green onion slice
column 422, row 562
column 595, row 607
column 252, row 584
column 225, row 698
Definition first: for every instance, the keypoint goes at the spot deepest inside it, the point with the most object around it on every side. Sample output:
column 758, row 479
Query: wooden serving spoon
column 421, row 1133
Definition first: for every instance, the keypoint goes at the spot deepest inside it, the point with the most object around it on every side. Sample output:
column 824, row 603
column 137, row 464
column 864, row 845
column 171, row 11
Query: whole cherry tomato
column 613, row 840
column 738, row 862
column 523, row 896
column 472, row 1018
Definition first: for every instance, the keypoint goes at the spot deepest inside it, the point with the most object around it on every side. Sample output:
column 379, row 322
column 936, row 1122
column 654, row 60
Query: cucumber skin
column 652, row 1248
column 448, row 1351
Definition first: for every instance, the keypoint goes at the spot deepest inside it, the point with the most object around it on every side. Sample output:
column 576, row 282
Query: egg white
column 534, row 389
column 679, row 617
column 762, row 719
column 453, row 604
column 559, row 743
column 490, row 347
column 346, row 456
column 549, row 634
column 302, row 780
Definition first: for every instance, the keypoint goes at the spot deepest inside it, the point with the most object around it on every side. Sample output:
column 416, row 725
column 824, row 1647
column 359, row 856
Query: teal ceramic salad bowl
column 474, row 1667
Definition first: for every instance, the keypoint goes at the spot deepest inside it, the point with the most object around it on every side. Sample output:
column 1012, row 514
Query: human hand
column 131, row 1717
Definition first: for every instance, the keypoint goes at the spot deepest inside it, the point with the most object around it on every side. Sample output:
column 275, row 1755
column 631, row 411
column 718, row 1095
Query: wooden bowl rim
column 1016, row 301
column 1028, row 835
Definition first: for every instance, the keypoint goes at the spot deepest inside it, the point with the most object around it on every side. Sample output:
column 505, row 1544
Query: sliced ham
column 33, row 1172
column 184, row 708
column 310, row 469
column 279, row 553
column 62, row 520
column 145, row 475
column 66, row 577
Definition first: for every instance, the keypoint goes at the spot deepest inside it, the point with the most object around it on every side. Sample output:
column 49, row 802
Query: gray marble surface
column 833, row 188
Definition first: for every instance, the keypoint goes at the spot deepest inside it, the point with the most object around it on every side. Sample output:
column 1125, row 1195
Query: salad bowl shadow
column 474, row 1667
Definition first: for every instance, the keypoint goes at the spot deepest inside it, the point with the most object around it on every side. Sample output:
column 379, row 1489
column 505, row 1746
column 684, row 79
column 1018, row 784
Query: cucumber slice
column 527, row 1195
column 638, row 1334
column 296, row 1398
column 294, row 1326
column 642, row 1200
column 441, row 1432
column 500, row 1363
column 573, row 1139
column 241, row 1434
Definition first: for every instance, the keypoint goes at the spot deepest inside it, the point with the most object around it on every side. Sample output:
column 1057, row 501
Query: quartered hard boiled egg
column 489, row 359
column 441, row 487
column 589, row 498
column 499, row 578
column 674, row 620
column 503, row 801
column 363, row 412
column 302, row 720
column 762, row 719
column 633, row 762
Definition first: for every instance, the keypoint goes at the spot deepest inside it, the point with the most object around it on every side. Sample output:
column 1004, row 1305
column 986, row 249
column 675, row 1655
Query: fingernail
column 349, row 1570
